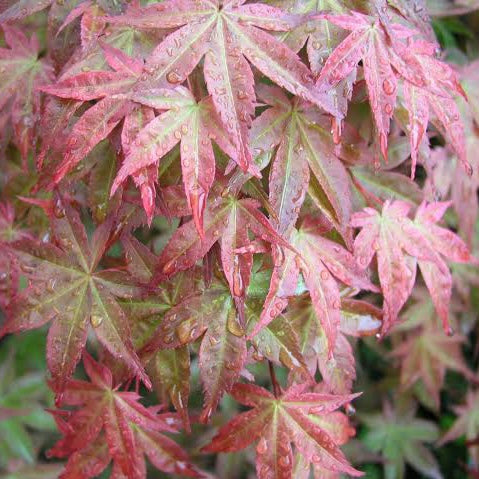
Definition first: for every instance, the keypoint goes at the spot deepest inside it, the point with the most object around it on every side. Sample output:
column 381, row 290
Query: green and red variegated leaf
column 121, row 428
column 66, row 287
column 295, row 417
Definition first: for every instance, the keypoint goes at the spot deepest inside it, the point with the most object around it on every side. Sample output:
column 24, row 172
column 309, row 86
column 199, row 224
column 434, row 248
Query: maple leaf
column 358, row 319
column 227, row 35
column 386, row 58
column 130, row 430
column 308, row 420
column 322, row 262
column 21, row 71
column 67, row 287
column 189, row 124
column 99, row 120
column 223, row 347
column 436, row 93
column 399, row 436
column 369, row 42
column 169, row 369
column 426, row 352
column 227, row 220
column 399, row 244
column 304, row 142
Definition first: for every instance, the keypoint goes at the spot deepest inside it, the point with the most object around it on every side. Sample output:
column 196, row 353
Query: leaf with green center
column 169, row 369
column 130, row 430
column 322, row 263
column 227, row 220
column 305, row 144
column 228, row 37
column 223, row 346
column 67, row 287
column 296, row 417
column 425, row 356
column 399, row 436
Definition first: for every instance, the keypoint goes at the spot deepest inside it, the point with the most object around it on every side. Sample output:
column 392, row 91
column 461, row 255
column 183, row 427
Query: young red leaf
column 392, row 236
column 295, row 417
column 321, row 262
column 130, row 430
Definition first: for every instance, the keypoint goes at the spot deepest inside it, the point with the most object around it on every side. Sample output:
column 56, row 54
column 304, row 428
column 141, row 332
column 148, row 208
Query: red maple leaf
column 308, row 420
column 108, row 424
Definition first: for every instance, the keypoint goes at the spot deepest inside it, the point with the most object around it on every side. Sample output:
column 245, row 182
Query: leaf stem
column 274, row 380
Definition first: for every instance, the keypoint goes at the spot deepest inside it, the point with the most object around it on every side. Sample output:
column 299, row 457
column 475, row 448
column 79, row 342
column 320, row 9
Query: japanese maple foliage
column 225, row 203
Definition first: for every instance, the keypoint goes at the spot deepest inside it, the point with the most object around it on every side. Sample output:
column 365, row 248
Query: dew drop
column 170, row 266
column 58, row 209
column 174, row 78
column 241, row 95
column 183, row 331
column 388, row 86
column 96, row 320
column 262, row 446
column 233, row 325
